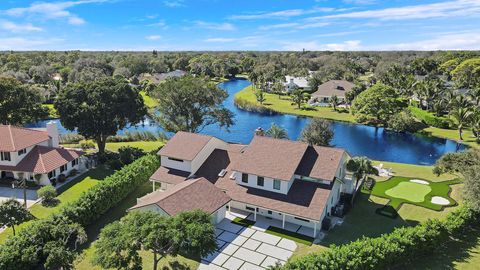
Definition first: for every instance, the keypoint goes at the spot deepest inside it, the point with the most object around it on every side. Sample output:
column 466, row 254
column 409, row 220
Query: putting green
column 409, row 191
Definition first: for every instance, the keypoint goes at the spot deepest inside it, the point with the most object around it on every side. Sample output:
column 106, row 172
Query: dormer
column 188, row 151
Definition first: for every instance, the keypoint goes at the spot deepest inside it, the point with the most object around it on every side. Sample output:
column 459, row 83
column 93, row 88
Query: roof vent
column 233, row 175
column 222, row 173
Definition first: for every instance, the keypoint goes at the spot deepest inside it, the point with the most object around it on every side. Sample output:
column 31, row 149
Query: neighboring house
column 291, row 83
column 160, row 77
column 34, row 154
column 280, row 179
column 326, row 90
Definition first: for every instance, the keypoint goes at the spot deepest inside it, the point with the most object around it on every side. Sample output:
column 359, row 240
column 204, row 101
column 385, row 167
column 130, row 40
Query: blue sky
column 240, row 25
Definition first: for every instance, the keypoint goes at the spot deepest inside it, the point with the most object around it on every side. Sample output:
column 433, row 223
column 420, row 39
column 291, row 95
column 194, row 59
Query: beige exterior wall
column 185, row 166
column 268, row 183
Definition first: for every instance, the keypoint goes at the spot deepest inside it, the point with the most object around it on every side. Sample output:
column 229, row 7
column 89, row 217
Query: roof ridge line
column 40, row 157
column 11, row 136
column 181, row 188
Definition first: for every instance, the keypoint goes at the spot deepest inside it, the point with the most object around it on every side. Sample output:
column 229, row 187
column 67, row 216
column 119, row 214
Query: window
column 23, row 151
column 52, row 174
column 244, row 178
column 249, row 208
column 260, row 181
column 269, row 212
column 5, row 156
column 63, row 168
column 276, row 184
column 75, row 162
column 175, row 159
column 301, row 219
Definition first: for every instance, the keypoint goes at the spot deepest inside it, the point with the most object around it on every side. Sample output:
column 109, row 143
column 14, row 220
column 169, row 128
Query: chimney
column 52, row 131
column 259, row 131
column 291, row 80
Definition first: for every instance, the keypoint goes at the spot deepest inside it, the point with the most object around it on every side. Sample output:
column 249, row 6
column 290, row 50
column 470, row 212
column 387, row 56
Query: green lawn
column 299, row 238
column 149, row 102
column 80, row 185
column 452, row 134
column 284, row 105
column 400, row 190
column 84, row 261
column 147, row 146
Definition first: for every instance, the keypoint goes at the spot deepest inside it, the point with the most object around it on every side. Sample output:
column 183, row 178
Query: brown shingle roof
column 268, row 157
column 168, row 175
column 188, row 195
column 17, row 138
column 305, row 199
column 184, row 145
column 44, row 159
column 332, row 88
column 320, row 162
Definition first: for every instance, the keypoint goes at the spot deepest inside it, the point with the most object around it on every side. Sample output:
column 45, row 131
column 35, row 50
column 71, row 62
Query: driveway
column 247, row 248
column 17, row 193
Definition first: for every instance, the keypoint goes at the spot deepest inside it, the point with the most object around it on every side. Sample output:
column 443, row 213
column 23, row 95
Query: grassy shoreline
column 246, row 99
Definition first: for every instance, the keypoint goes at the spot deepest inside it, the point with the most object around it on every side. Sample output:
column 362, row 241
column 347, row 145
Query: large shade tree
column 19, row 104
column 190, row 104
column 13, row 213
column 98, row 109
column 189, row 233
column 317, row 132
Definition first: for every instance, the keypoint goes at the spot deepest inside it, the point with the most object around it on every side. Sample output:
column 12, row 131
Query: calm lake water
column 358, row 140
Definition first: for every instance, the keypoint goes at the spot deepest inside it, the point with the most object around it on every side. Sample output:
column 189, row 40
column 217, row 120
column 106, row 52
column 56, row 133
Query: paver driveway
column 17, row 193
column 246, row 248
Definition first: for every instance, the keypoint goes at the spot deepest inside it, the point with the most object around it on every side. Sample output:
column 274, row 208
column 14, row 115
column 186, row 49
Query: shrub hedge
column 399, row 246
column 26, row 249
column 430, row 119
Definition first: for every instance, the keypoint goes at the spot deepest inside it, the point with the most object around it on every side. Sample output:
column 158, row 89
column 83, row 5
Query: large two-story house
column 290, row 181
column 34, row 154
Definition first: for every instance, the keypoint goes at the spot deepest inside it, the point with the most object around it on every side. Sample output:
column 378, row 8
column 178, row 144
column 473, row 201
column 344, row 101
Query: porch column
column 153, row 185
column 314, row 229
column 230, row 207
column 283, row 221
column 255, row 214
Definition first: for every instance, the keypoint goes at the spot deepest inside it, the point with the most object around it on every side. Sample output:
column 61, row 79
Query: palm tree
column 277, row 132
column 298, row 98
column 361, row 168
column 462, row 111
column 475, row 123
column 260, row 96
column 474, row 95
column 334, row 102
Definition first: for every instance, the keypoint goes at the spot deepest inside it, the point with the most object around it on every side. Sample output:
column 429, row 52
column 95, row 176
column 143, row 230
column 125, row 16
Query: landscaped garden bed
column 420, row 192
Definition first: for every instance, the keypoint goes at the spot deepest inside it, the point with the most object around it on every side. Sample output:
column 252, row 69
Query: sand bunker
column 440, row 200
column 418, row 181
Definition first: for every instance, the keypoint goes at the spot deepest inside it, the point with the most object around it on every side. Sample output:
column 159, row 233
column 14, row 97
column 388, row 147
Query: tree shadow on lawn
column 363, row 221
column 445, row 256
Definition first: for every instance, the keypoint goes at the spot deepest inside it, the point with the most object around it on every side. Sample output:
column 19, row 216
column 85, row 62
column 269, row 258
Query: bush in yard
column 48, row 194
column 41, row 242
column 61, row 178
column 400, row 246
column 87, row 144
column 404, row 122
column 128, row 154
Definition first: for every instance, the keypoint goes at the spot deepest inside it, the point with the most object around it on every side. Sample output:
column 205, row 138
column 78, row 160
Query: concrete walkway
column 17, row 193
column 247, row 248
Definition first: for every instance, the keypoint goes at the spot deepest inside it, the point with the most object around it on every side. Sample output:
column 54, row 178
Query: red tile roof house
column 280, row 179
column 34, row 154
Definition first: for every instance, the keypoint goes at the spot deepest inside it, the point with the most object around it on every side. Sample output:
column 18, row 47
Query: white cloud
column 21, row 43
column 174, row 3
column 278, row 26
column 153, row 37
column 281, row 14
column 215, row 26
column 293, row 25
column 349, row 45
column 446, row 41
column 360, row 2
column 56, row 10
column 16, row 28
column 248, row 41
column 221, row 40
column 160, row 24
column 457, row 8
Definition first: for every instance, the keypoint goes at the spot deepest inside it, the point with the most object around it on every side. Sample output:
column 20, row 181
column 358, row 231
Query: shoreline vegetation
column 275, row 104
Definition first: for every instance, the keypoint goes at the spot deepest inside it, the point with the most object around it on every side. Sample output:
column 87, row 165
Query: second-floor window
column 5, row 156
column 260, row 181
column 244, row 178
column 63, row 168
column 175, row 159
column 276, row 184
column 52, row 174
column 23, row 151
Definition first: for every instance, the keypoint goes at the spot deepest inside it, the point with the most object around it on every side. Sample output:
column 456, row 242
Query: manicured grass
column 409, row 191
column 83, row 183
column 413, row 171
column 84, row 262
column 145, row 145
column 284, row 105
column 452, row 134
column 243, row 222
column 149, row 102
column 299, row 238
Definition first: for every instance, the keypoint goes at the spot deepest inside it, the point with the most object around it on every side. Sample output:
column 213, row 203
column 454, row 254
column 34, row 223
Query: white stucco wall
column 185, row 166
column 15, row 158
column 267, row 183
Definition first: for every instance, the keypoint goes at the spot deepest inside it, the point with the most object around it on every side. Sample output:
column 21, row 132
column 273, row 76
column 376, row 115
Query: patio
column 251, row 248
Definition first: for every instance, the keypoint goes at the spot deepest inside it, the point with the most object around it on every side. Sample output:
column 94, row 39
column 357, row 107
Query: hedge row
column 27, row 249
column 400, row 246
column 430, row 119
column 252, row 106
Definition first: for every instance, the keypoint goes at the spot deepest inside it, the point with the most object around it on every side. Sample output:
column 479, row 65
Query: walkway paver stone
column 249, row 256
column 209, row 266
column 270, row 261
column 265, row 237
column 229, row 249
column 233, row 263
column 274, row 251
column 252, row 244
column 287, row 244
column 249, row 266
